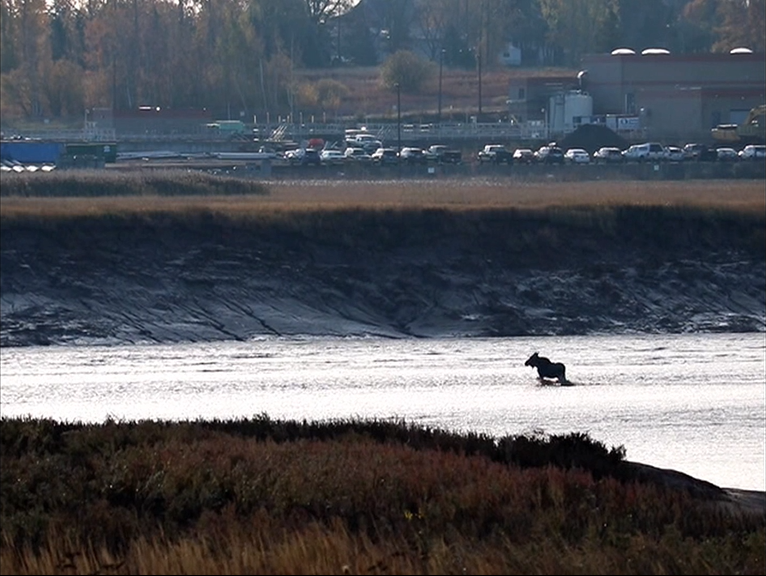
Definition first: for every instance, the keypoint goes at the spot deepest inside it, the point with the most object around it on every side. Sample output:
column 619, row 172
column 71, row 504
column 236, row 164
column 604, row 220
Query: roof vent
column 651, row 51
column 582, row 75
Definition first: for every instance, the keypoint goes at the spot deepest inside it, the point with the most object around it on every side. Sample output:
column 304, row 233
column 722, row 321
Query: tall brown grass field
column 38, row 197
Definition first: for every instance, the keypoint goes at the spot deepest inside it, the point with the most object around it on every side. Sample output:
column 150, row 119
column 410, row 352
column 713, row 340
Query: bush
column 406, row 69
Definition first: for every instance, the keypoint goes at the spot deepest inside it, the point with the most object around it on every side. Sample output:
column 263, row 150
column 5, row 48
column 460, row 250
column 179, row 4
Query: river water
column 694, row 402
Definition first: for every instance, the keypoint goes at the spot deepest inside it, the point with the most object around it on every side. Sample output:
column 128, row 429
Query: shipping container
column 31, row 151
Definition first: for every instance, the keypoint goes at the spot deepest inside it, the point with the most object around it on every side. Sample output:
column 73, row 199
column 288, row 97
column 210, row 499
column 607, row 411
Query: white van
column 646, row 152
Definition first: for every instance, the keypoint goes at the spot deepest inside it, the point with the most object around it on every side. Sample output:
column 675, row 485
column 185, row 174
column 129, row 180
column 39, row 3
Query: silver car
column 753, row 152
column 608, row 155
column 727, row 154
column 674, row 154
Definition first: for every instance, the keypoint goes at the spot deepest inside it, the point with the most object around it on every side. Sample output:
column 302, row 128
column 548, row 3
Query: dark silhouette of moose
column 548, row 369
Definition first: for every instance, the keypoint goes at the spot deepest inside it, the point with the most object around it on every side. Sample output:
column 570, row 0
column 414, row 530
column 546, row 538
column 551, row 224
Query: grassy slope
column 273, row 497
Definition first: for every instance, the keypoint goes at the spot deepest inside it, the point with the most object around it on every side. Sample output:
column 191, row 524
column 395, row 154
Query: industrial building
column 675, row 97
column 529, row 96
column 652, row 95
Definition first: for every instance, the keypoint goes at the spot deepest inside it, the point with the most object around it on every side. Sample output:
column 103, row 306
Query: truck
column 230, row 128
column 751, row 131
column 495, row 154
column 442, row 154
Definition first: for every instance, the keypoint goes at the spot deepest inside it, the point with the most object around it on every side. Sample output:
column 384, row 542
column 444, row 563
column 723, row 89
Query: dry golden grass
column 504, row 193
column 321, row 549
column 367, row 96
column 454, row 194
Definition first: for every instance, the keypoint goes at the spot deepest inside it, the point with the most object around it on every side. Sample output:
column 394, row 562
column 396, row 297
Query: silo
column 578, row 107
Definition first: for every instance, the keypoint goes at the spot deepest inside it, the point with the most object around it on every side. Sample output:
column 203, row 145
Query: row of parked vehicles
column 656, row 152
column 382, row 155
column 374, row 152
column 645, row 152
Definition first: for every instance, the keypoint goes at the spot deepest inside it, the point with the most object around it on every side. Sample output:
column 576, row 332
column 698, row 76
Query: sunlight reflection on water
column 694, row 403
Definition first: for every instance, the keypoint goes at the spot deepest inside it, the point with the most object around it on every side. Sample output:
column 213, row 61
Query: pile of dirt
column 591, row 137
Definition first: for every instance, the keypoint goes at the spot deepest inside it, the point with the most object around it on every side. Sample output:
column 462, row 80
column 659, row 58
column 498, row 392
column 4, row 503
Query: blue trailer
column 31, row 151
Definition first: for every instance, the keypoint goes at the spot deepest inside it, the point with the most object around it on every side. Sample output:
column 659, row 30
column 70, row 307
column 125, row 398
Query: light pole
column 398, row 119
column 441, row 64
column 478, row 61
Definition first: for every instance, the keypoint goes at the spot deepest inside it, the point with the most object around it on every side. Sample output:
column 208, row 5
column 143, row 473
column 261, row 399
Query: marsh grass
column 183, row 194
column 100, row 183
column 346, row 496
column 554, row 221
column 477, row 193
column 83, row 192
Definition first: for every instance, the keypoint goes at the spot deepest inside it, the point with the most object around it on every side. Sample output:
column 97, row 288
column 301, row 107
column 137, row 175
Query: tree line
column 59, row 58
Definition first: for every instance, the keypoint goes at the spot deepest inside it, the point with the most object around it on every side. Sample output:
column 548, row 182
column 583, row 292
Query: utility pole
column 398, row 116
column 478, row 60
column 478, row 51
column 441, row 64
column 398, row 126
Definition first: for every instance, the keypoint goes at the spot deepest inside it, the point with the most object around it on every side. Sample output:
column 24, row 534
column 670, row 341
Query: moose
column 548, row 369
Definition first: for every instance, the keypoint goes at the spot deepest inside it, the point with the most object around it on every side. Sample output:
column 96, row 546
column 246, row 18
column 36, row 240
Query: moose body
column 547, row 369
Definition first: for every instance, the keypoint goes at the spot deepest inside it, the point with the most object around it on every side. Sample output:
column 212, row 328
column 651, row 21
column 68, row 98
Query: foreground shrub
column 264, row 496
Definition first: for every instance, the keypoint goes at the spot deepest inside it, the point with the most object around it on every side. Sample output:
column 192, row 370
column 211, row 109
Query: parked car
column 646, row 152
column 549, row 154
column 674, row 154
column 753, row 152
column 433, row 152
column 494, row 154
column 699, row 152
column 608, row 155
column 523, row 156
column 292, row 156
column 303, row 157
column 356, row 154
column 726, row 154
column 383, row 156
column 311, row 156
column 577, row 156
column 332, row 157
column 412, row 155
column 442, row 154
column 362, row 140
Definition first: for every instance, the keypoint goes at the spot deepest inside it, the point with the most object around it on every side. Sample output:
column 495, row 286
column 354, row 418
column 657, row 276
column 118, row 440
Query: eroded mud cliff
column 421, row 273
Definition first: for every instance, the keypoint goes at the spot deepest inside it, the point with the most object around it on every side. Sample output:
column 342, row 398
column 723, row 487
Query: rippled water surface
column 694, row 403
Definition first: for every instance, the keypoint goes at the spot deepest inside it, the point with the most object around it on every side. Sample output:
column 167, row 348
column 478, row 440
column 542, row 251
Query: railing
column 499, row 131
column 58, row 135
column 387, row 132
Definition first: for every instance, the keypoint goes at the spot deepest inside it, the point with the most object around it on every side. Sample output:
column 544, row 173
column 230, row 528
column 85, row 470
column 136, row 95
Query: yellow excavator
column 751, row 131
